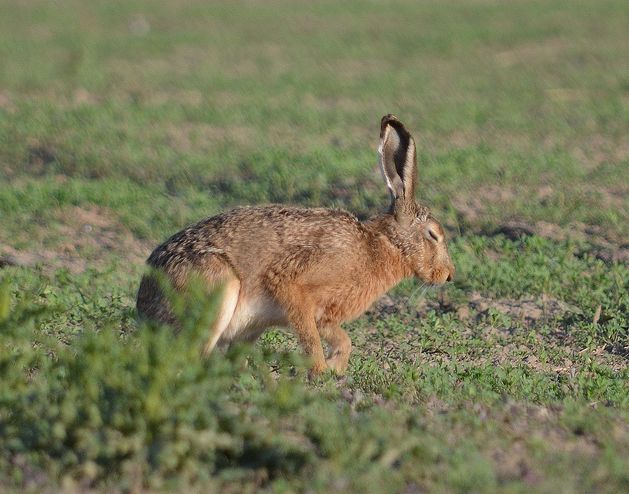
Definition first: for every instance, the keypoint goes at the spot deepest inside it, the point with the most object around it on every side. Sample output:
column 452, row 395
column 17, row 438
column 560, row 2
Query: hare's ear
column 397, row 159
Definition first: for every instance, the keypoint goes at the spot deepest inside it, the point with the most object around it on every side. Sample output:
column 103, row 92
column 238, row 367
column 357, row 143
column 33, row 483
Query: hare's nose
column 450, row 274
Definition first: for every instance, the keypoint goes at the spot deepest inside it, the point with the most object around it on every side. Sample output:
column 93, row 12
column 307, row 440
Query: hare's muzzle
column 443, row 275
column 451, row 272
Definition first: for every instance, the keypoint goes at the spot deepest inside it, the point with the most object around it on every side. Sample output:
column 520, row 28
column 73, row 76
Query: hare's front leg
column 340, row 348
column 300, row 313
column 310, row 340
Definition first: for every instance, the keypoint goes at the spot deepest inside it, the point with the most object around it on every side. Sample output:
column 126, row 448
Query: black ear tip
column 394, row 122
column 389, row 118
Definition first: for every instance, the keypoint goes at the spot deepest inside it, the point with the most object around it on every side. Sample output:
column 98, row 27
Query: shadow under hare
column 308, row 268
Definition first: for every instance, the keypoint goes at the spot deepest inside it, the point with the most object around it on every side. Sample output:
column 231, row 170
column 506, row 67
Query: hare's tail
column 152, row 303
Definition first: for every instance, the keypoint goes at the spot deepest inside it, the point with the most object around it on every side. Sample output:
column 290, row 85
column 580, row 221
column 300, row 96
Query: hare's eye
column 433, row 235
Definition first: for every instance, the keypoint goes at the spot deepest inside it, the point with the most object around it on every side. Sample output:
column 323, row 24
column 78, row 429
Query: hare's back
column 252, row 237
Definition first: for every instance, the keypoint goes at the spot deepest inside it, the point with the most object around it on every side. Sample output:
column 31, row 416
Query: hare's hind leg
column 231, row 292
column 340, row 347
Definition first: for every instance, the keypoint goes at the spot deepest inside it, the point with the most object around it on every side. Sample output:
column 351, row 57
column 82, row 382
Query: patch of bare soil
column 523, row 53
column 6, row 102
column 40, row 158
column 81, row 238
column 533, row 424
column 528, row 311
column 605, row 245
column 472, row 209
column 480, row 312
column 596, row 150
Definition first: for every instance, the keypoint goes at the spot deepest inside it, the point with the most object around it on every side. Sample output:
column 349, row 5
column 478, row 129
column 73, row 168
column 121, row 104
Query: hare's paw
column 338, row 362
column 317, row 370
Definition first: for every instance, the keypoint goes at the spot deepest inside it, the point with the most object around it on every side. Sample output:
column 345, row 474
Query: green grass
column 122, row 122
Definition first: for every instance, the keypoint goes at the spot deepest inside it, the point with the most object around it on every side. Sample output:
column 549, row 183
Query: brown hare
column 308, row 268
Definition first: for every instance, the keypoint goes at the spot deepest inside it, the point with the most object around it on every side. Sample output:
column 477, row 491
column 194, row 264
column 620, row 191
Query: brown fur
column 311, row 269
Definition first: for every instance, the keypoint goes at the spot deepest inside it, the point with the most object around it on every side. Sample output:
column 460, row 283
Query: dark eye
column 433, row 235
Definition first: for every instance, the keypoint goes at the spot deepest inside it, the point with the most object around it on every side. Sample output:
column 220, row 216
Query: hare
column 308, row 268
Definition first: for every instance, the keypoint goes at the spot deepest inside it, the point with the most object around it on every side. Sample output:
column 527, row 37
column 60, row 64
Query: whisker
column 414, row 294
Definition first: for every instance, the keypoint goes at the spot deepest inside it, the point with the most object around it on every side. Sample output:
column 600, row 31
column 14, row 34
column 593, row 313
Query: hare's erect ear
column 397, row 159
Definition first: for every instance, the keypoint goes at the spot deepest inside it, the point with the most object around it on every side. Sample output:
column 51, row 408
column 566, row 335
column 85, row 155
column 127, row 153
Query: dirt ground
column 79, row 238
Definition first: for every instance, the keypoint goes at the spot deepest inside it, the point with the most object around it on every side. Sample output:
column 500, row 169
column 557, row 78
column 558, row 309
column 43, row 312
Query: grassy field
column 122, row 122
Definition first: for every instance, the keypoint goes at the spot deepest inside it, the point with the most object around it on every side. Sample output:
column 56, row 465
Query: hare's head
column 414, row 230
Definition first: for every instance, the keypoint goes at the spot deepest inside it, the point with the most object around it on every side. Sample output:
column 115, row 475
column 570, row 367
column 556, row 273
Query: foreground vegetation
column 118, row 129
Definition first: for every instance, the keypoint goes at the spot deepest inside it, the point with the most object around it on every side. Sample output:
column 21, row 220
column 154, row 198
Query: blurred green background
column 122, row 122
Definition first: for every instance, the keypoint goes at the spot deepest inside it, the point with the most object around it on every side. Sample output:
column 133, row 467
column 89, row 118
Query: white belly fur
column 251, row 317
